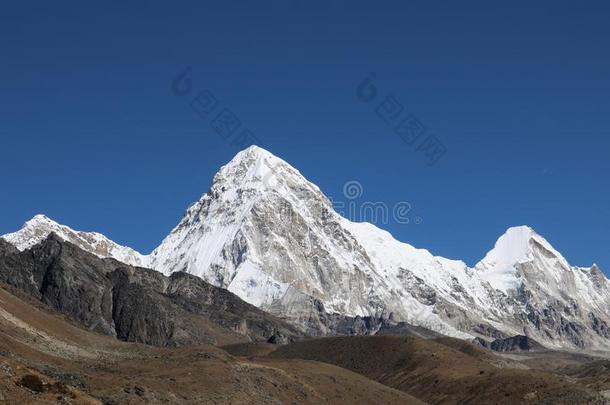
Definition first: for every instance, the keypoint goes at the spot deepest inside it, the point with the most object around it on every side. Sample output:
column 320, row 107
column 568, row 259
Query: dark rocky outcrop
column 135, row 304
column 406, row 329
column 517, row 343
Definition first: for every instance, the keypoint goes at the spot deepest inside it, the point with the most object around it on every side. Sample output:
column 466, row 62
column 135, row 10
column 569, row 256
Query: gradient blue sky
column 92, row 135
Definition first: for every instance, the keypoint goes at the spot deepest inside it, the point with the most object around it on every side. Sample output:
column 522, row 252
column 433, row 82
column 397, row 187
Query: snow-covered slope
column 39, row 227
column 270, row 236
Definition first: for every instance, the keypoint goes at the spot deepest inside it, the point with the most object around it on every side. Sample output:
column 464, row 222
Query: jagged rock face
column 271, row 237
column 134, row 304
column 519, row 343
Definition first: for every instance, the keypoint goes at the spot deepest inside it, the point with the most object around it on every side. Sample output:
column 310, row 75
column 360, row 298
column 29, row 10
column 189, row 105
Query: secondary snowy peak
column 32, row 232
column 40, row 227
column 518, row 245
column 512, row 247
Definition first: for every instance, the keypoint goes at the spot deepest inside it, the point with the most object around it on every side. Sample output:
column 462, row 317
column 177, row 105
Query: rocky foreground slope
column 271, row 237
column 46, row 359
column 135, row 304
column 72, row 324
column 442, row 371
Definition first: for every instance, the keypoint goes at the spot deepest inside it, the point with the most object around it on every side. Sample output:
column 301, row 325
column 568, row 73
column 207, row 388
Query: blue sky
column 518, row 94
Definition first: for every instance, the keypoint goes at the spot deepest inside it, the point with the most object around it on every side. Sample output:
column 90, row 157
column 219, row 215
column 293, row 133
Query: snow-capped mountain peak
column 255, row 188
column 40, row 227
column 513, row 246
column 259, row 170
column 518, row 245
column 34, row 231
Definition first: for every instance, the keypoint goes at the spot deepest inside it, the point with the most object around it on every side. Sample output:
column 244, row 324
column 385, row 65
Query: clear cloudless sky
column 518, row 92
